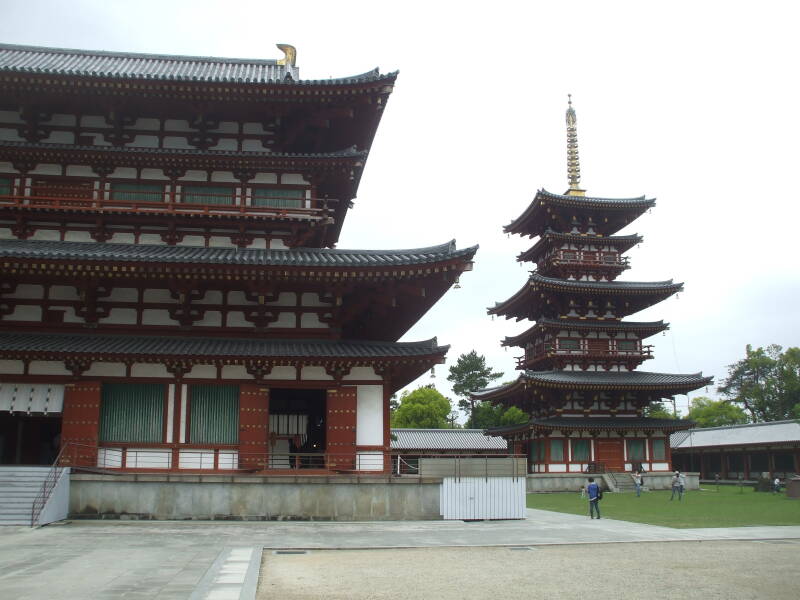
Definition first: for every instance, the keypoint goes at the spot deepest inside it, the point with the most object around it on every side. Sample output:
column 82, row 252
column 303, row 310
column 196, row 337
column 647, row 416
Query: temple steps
column 19, row 486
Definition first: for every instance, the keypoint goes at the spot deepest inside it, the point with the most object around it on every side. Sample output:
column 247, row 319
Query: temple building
column 171, row 294
column 579, row 381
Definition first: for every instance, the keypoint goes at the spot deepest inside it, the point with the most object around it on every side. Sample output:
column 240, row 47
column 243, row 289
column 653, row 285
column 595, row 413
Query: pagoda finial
column 573, row 160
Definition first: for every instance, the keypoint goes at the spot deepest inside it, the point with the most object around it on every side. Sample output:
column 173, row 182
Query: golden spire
column 573, row 161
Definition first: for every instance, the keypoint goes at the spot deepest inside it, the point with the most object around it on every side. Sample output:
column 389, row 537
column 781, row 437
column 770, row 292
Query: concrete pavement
column 169, row 560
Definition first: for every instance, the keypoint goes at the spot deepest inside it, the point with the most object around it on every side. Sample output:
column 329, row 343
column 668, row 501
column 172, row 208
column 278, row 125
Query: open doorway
column 29, row 439
column 297, row 428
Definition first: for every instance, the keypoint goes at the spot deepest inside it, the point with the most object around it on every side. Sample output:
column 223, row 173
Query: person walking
column 593, row 492
column 776, row 485
column 637, row 483
column 677, row 487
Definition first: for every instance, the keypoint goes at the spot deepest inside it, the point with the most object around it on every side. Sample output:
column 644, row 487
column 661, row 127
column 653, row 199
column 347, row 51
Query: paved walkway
column 170, row 560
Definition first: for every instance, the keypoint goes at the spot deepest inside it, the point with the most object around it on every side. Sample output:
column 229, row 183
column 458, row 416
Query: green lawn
column 729, row 507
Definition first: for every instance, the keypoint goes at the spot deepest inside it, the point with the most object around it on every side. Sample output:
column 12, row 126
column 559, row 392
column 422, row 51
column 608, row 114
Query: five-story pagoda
column 579, row 381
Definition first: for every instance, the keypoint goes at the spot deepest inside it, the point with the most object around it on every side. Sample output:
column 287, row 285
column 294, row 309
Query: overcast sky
column 693, row 103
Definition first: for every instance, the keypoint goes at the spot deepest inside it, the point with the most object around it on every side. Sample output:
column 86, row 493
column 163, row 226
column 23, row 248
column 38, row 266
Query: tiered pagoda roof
column 579, row 349
column 544, row 296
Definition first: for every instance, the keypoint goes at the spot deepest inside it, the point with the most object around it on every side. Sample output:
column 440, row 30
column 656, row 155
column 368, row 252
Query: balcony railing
column 598, row 354
column 108, row 202
column 586, row 259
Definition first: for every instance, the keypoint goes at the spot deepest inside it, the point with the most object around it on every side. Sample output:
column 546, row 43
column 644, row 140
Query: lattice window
column 580, row 450
column 137, row 192
column 635, row 449
column 132, row 412
column 627, row 345
column 278, row 197
column 207, row 194
column 214, row 414
column 659, row 450
column 556, row 450
column 5, row 186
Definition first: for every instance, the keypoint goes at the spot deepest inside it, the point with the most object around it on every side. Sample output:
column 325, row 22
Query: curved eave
column 538, row 282
column 664, row 383
column 644, row 329
column 325, row 259
column 548, row 239
column 522, row 224
column 594, row 424
column 501, row 391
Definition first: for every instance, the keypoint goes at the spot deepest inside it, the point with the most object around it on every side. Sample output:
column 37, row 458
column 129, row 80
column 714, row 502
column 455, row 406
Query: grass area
column 728, row 507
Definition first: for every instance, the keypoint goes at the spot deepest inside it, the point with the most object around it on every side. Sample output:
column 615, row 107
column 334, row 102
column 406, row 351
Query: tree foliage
column 424, row 408
column 486, row 415
column 715, row 413
column 766, row 383
column 657, row 410
column 470, row 374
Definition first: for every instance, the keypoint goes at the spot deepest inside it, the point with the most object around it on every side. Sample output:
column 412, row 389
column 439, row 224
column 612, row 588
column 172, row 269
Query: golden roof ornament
column 573, row 160
column 289, row 55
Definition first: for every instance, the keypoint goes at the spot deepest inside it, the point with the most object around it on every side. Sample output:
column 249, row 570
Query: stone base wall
column 213, row 497
column 571, row 482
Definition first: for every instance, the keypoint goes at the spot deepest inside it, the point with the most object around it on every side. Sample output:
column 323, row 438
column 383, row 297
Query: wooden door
column 611, row 453
column 253, row 426
column 80, row 427
column 340, row 433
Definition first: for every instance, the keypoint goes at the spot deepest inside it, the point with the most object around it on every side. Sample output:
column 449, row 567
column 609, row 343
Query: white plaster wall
column 285, row 299
column 293, row 178
column 277, row 244
column 192, row 240
column 202, row 372
column 46, row 169
column 77, row 236
column 285, row 319
column 311, row 321
column 120, row 316
column 27, row 292
column 106, row 369
column 12, row 367
column 154, row 295
column 171, row 141
column 25, row 313
column 47, row 235
column 220, row 242
column 361, row 373
column 149, row 370
column 122, row 238
column 283, row 372
column 152, row 239
column 47, row 367
column 5, row 234
column 369, row 415
column 153, row 174
column 235, row 372
column 314, row 374
column 152, row 316
column 211, row 318
column 265, row 178
column 124, row 295
column 369, row 461
column 558, row 468
column 312, row 299
column 211, row 297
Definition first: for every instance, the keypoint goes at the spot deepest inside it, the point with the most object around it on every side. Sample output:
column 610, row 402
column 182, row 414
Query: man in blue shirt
column 593, row 492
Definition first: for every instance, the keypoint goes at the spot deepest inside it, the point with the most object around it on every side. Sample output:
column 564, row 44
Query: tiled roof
column 126, row 150
column 600, row 380
column 597, row 423
column 605, row 286
column 297, row 257
column 618, row 378
column 621, row 242
column 33, row 343
column 124, row 65
column 614, row 202
column 648, row 328
column 445, row 439
column 775, row 432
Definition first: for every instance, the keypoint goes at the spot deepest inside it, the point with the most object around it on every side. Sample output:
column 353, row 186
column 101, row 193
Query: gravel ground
column 728, row 570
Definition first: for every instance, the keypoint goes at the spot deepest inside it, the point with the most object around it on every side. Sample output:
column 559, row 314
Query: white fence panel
column 470, row 498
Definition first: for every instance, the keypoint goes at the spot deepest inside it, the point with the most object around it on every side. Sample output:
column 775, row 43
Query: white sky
column 694, row 103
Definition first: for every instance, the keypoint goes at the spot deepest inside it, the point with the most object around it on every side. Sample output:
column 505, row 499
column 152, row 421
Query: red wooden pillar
column 253, row 426
column 340, row 432
column 80, row 425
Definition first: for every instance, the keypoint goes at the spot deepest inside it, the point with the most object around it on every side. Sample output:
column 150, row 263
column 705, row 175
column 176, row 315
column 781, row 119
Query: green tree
column 486, row 415
column 470, row 374
column 424, row 408
column 715, row 413
column 766, row 383
column 657, row 410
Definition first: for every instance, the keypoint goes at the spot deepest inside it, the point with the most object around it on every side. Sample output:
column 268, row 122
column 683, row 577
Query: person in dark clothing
column 593, row 493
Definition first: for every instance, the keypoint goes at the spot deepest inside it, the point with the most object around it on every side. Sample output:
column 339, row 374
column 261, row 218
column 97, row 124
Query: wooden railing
column 584, row 259
column 166, row 203
column 541, row 353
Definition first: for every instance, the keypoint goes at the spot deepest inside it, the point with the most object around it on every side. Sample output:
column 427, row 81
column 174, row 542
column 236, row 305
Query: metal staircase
column 19, row 486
